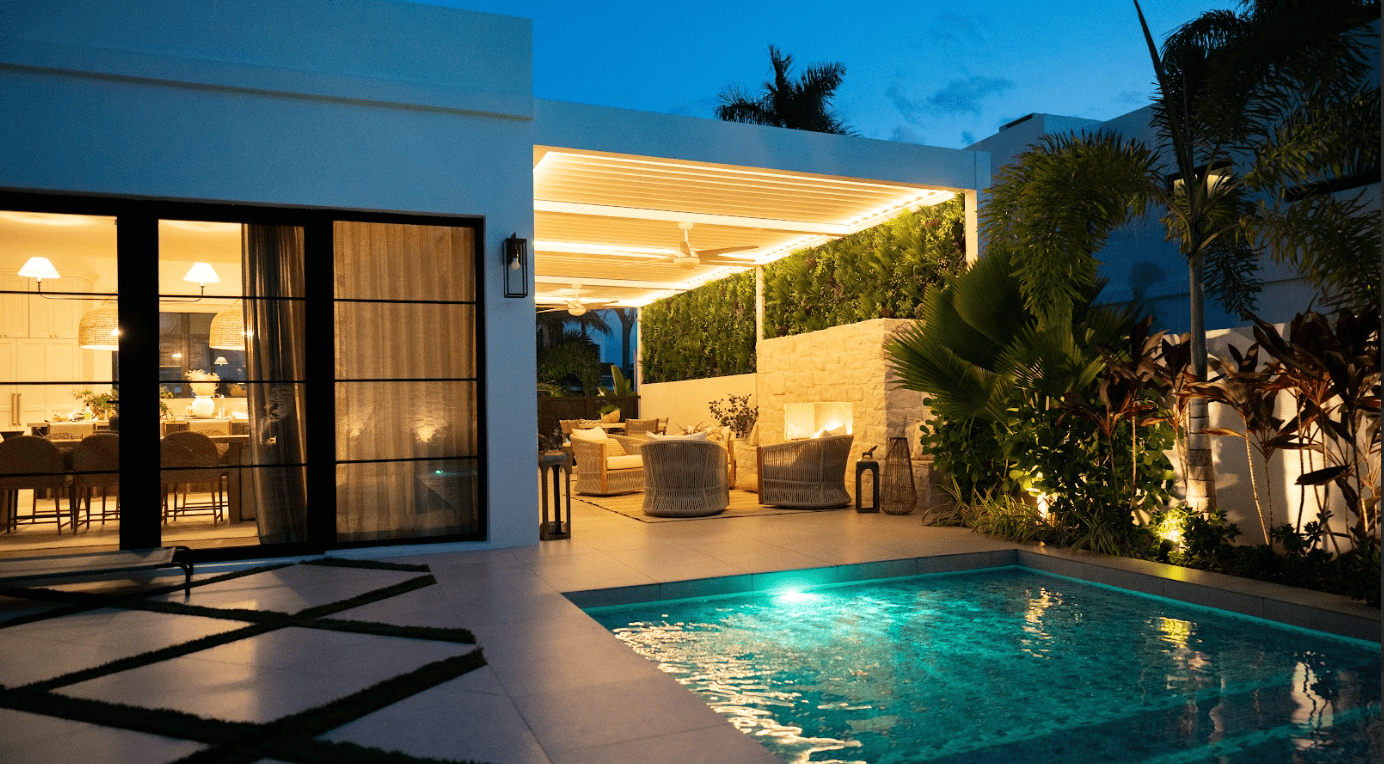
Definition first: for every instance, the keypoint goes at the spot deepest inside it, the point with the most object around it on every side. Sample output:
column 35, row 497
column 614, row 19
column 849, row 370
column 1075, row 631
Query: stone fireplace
column 804, row 420
column 821, row 380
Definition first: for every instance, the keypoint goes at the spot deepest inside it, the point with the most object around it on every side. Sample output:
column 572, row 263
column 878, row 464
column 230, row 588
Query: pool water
column 1012, row 666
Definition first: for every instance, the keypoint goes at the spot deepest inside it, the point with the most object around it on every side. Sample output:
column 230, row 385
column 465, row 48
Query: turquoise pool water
column 1011, row 666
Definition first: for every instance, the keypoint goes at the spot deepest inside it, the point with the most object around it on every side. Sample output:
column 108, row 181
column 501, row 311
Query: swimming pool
column 1011, row 665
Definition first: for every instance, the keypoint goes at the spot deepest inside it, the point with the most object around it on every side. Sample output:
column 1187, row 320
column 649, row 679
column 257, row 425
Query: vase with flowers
column 203, row 384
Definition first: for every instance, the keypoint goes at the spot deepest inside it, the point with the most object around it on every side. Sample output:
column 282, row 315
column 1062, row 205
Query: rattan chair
column 33, row 463
column 810, row 474
column 684, row 478
column 640, row 426
column 603, row 467
column 96, row 464
column 187, row 458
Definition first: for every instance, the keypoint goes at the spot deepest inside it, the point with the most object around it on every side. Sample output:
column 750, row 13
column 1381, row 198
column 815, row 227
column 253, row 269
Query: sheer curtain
column 272, row 267
column 406, row 411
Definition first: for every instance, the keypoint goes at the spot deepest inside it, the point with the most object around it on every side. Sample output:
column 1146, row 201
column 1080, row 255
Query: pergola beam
column 673, row 216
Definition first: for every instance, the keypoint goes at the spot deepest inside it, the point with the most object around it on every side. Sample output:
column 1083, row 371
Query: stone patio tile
column 468, row 718
column 268, row 676
column 290, row 590
column 614, row 712
column 713, row 745
column 31, row 737
column 47, row 649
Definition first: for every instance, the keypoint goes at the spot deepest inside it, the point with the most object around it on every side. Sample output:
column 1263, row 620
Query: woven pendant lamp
column 99, row 329
column 228, row 330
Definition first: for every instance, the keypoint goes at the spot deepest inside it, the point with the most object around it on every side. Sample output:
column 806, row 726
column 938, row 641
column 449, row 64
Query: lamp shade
column 228, row 330
column 203, row 274
column 99, row 329
column 39, row 268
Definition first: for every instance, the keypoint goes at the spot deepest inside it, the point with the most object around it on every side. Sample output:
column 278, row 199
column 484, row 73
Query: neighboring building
column 348, row 171
column 1137, row 261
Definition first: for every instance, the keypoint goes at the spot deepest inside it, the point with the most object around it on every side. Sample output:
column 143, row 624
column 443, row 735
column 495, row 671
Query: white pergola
column 617, row 193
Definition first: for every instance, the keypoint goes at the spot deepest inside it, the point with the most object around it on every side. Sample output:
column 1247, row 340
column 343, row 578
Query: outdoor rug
column 742, row 504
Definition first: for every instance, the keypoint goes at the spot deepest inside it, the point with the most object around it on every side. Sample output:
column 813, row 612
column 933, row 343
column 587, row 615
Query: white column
column 758, row 304
column 972, row 226
column 638, row 349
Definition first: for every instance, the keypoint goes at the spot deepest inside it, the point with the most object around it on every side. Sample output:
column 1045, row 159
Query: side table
column 555, row 462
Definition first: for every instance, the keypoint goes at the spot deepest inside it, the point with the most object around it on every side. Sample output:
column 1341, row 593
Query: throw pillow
column 753, row 438
column 593, row 434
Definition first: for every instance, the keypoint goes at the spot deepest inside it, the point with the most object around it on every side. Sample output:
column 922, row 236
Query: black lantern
column 516, row 252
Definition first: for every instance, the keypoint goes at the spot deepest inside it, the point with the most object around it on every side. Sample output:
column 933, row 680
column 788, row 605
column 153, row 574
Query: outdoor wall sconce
column 516, row 256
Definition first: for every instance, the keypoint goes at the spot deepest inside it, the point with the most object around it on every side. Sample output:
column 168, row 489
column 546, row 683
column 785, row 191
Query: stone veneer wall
column 843, row 363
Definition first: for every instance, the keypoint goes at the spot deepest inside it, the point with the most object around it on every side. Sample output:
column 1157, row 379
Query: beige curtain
column 272, row 266
column 406, row 415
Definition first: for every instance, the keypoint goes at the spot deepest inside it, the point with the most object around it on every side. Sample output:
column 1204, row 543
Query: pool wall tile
column 620, row 595
column 881, row 569
column 706, row 587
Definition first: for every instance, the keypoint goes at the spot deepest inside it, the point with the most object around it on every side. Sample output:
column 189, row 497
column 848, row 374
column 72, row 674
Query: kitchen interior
column 59, row 371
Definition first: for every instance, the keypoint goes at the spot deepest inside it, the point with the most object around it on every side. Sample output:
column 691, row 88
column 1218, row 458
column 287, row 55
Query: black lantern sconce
column 516, row 252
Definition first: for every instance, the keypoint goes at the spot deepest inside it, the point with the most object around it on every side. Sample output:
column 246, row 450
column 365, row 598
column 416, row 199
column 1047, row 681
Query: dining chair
column 96, row 464
column 187, row 458
column 28, row 462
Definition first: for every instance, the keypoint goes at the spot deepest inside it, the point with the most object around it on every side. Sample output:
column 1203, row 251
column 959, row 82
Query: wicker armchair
column 640, row 426
column 684, row 478
column 805, row 473
column 604, row 469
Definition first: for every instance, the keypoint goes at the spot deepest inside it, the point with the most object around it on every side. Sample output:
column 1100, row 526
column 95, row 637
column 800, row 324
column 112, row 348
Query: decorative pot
column 203, row 407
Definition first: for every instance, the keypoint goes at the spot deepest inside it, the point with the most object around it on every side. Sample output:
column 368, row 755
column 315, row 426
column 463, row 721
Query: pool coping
column 1301, row 608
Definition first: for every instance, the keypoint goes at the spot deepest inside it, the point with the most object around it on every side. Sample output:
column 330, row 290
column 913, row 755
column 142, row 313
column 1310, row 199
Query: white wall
column 685, row 403
column 354, row 104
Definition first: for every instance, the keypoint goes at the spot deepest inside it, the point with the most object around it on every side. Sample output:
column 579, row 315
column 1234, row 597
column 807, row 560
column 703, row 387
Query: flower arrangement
column 203, row 382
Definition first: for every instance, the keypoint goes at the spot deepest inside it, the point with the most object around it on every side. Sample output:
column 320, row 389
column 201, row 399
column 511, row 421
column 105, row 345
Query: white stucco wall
column 685, row 403
column 354, row 104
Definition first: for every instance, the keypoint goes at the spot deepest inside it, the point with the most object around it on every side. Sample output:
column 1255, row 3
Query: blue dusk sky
column 941, row 74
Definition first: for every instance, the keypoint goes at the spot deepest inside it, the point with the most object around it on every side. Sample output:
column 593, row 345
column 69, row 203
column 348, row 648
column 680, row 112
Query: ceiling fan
column 691, row 258
column 575, row 305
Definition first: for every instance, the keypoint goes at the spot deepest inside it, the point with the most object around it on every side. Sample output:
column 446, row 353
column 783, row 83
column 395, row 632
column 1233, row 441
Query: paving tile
column 290, row 590
column 422, row 607
column 33, row 738
column 462, row 719
column 48, row 649
column 267, row 676
column 712, row 745
column 614, row 712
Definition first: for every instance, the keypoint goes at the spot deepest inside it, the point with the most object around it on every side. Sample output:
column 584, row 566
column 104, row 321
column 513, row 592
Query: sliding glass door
column 191, row 339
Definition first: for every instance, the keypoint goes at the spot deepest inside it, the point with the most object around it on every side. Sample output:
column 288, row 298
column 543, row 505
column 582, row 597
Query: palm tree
column 804, row 104
column 1251, row 109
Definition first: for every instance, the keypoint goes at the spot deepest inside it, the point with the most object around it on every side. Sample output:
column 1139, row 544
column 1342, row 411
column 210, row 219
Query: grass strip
column 149, row 658
column 292, row 738
column 403, row 587
column 340, row 562
column 432, row 633
column 154, row 721
column 82, row 601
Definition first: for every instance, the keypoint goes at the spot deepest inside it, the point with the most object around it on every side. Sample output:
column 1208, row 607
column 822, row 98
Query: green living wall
column 881, row 272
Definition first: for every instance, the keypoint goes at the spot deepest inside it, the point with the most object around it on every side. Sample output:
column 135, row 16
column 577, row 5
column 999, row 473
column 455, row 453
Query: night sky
column 942, row 74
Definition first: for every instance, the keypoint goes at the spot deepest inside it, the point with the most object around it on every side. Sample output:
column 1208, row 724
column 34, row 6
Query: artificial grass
column 340, row 562
column 291, row 738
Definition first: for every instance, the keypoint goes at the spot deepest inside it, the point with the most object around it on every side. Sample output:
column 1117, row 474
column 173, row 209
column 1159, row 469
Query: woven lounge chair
column 641, row 426
column 603, row 467
column 810, row 474
column 684, row 478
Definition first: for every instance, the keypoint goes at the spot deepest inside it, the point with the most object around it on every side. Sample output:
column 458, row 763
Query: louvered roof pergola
column 616, row 190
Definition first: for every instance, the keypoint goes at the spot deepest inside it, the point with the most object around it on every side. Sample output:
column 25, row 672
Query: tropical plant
column 802, row 104
column 1250, row 107
column 735, row 412
column 571, row 363
column 1252, row 394
column 619, row 386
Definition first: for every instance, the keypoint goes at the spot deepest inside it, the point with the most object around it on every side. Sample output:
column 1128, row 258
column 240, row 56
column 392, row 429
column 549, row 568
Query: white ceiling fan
column 575, row 305
column 691, row 258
